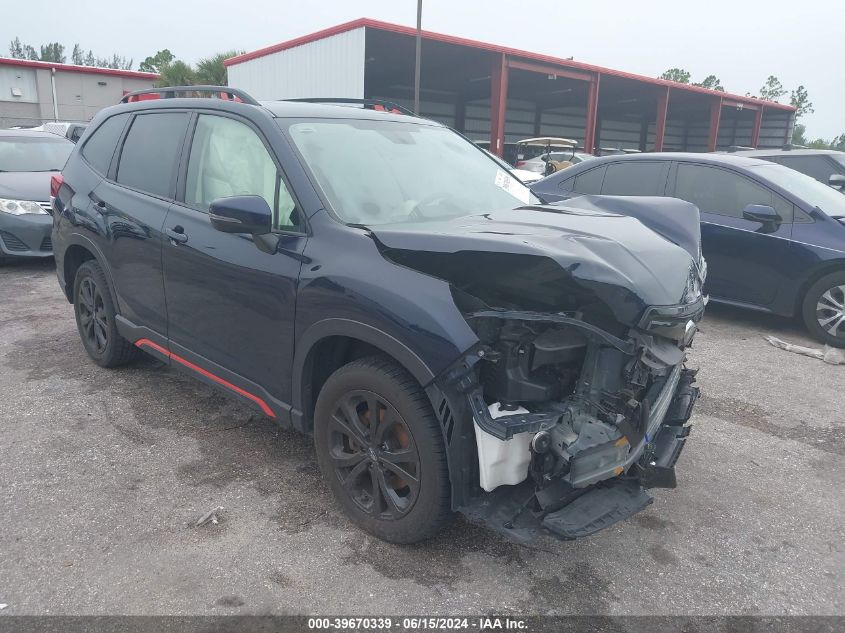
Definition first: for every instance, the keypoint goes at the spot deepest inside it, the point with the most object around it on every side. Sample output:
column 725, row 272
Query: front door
column 231, row 306
column 745, row 260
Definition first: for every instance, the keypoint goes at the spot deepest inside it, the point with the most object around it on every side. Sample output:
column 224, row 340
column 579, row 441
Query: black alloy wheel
column 374, row 455
column 92, row 315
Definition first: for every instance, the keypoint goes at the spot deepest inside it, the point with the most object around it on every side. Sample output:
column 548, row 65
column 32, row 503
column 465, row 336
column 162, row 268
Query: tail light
column 520, row 163
column 55, row 184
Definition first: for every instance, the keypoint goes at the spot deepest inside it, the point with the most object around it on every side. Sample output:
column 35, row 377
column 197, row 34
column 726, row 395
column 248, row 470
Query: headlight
column 20, row 207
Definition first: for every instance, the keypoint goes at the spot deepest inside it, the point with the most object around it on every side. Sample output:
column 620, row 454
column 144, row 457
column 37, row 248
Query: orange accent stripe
column 145, row 342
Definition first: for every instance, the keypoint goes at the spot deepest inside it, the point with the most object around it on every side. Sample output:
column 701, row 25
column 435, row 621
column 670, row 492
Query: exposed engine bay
column 577, row 389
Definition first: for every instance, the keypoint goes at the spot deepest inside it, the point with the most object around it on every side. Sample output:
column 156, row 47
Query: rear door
column 131, row 204
column 230, row 305
column 746, row 260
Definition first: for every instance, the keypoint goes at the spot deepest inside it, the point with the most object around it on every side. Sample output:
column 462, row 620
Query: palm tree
column 177, row 73
column 211, row 71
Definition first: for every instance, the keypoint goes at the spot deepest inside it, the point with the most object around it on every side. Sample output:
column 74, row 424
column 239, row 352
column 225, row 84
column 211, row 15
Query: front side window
column 33, row 153
column 229, row 159
column 634, row 178
column 718, row 191
column 376, row 172
column 817, row 166
column 100, row 146
column 151, row 152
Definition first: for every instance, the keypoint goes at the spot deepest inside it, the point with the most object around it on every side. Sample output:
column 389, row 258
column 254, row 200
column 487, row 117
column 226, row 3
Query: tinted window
column 587, row 182
column 719, row 191
column 817, row 167
column 630, row 178
column 99, row 148
column 229, row 159
column 150, row 152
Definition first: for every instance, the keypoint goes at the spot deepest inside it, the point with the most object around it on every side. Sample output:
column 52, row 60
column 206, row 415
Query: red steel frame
column 498, row 104
column 755, row 130
column 715, row 117
column 660, row 122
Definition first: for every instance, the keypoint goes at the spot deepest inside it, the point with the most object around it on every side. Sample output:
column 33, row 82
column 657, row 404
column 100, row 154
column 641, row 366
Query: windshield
column 804, row 187
column 384, row 172
column 35, row 153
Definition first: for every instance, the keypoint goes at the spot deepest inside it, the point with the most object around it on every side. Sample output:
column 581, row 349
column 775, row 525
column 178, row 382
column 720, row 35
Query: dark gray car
column 28, row 159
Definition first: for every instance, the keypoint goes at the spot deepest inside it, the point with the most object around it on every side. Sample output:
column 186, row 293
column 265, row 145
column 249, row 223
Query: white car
column 537, row 165
column 524, row 175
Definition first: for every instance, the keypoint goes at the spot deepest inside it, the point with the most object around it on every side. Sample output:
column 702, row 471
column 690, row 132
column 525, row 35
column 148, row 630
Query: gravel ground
column 104, row 472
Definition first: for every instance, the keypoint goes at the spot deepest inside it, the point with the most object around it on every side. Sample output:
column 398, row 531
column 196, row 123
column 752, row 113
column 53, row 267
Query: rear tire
column 95, row 311
column 823, row 309
column 381, row 450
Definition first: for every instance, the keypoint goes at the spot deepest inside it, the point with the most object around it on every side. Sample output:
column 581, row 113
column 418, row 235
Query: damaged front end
column 572, row 423
column 575, row 399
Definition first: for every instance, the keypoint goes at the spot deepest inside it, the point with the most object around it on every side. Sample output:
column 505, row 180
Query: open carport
column 499, row 95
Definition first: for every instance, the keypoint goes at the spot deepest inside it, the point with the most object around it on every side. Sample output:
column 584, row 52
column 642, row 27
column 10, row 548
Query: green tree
column 16, row 49
column 819, row 143
column 772, row 90
column 838, row 143
column 678, row 75
column 53, row 52
column 176, row 73
column 711, row 82
column 801, row 101
column 798, row 132
column 211, row 71
column 77, row 56
column 156, row 63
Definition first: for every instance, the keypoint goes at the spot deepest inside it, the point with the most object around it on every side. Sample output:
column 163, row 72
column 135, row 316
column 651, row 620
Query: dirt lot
column 103, row 472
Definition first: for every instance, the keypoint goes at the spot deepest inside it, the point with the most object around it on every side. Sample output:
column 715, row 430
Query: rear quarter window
column 100, row 146
column 587, row 182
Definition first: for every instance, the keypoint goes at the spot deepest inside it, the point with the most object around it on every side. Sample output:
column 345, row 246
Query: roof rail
column 374, row 104
column 739, row 148
column 170, row 92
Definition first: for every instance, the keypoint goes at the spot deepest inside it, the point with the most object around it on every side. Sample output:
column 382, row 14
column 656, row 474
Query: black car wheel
column 824, row 309
column 380, row 448
column 95, row 312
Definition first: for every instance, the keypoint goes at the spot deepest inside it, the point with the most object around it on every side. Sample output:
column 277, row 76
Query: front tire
column 823, row 309
column 380, row 448
column 95, row 311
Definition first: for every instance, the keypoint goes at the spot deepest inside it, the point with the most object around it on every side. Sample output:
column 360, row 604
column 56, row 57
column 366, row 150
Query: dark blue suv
column 773, row 238
column 377, row 280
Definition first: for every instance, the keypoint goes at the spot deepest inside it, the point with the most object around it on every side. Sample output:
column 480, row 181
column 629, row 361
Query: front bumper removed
column 522, row 513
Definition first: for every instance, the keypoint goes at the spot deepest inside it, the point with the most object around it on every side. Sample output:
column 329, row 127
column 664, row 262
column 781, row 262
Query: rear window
column 630, row 178
column 99, row 148
column 33, row 153
column 150, row 152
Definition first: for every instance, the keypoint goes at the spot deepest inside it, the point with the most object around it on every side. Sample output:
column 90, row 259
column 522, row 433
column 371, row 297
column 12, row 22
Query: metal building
column 501, row 94
column 33, row 92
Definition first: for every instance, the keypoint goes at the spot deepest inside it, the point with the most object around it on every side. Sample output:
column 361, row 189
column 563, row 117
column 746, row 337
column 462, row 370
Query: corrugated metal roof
column 135, row 74
column 495, row 48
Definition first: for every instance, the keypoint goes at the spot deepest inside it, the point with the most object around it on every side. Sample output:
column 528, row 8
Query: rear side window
column 641, row 178
column 588, row 182
column 99, row 148
column 150, row 152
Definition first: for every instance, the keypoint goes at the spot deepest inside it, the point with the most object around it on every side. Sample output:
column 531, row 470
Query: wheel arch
column 77, row 252
column 331, row 343
column 826, row 268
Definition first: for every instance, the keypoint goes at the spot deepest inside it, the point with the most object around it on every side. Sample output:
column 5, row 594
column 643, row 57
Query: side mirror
column 241, row 214
column 761, row 213
column 837, row 181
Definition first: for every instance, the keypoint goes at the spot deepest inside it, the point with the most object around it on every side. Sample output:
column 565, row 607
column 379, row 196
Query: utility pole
column 417, row 60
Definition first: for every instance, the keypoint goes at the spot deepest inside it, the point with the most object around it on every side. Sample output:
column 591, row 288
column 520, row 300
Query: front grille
column 46, row 244
column 12, row 243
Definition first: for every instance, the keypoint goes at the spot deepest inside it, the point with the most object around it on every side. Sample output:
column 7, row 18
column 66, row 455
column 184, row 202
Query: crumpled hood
column 26, row 185
column 627, row 265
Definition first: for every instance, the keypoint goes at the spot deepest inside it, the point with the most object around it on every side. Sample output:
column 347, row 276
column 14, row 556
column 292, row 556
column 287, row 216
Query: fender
column 357, row 330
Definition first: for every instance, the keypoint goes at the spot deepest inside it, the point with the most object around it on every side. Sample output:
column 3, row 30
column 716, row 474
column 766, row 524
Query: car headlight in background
column 20, row 207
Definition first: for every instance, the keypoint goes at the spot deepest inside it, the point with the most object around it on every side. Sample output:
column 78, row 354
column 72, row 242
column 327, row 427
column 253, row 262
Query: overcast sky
column 740, row 41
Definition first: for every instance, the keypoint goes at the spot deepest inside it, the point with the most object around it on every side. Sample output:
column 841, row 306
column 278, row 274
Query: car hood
column 539, row 257
column 26, row 185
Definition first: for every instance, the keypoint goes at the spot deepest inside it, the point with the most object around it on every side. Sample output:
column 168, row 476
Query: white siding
column 330, row 67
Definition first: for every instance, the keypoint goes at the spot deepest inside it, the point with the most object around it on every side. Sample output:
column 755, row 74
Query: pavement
column 104, row 473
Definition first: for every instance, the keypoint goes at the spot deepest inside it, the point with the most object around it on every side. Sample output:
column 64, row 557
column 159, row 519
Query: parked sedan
column 773, row 238
column 825, row 165
column 27, row 161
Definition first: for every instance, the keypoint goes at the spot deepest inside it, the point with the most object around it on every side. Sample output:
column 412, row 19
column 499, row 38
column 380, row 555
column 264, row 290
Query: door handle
column 176, row 235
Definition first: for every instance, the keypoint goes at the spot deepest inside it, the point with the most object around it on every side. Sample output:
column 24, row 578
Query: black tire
column 95, row 312
column 823, row 309
column 413, row 502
